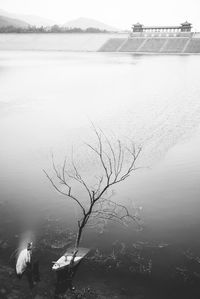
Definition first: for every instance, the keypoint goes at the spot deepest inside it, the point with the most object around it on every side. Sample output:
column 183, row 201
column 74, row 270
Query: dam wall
column 165, row 45
column 75, row 42
column 102, row 42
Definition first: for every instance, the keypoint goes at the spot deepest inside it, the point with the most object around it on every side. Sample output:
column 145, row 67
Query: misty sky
column 119, row 13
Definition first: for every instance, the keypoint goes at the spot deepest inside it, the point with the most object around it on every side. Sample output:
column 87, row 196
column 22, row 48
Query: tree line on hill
column 52, row 29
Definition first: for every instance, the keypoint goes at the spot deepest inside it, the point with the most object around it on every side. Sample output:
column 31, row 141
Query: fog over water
column 47, row 101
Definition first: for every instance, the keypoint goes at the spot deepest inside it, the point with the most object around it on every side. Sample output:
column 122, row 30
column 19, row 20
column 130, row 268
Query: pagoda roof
column 137, row 24
column 186, row 23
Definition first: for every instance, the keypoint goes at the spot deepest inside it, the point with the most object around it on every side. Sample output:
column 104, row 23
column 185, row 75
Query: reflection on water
column 47, row 103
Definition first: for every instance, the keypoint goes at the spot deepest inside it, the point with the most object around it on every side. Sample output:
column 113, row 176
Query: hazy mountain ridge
column 6, row 21
column 85, row 23
column 32, row 20
column 21, row 20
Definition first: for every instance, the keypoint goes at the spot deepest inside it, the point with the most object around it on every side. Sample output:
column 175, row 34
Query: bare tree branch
column 117, row 162
column 63, row 193
column 79, row 179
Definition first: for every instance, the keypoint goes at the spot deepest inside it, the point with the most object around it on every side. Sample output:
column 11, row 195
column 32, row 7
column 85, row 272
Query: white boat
column 64, row 261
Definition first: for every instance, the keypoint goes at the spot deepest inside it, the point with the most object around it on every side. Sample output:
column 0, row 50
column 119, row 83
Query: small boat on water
column 64, row 261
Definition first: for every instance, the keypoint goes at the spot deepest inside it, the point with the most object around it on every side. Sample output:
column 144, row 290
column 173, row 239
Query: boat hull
column 64, row 261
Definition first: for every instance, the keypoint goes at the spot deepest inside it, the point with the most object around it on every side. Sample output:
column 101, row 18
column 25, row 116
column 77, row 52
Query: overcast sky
column 119, row 13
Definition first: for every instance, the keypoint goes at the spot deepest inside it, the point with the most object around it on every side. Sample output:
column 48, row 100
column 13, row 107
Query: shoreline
column 99, row 52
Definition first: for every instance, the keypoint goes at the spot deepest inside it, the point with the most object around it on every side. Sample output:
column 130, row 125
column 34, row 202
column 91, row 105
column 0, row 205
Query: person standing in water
column 32, row 270
column 28, row 264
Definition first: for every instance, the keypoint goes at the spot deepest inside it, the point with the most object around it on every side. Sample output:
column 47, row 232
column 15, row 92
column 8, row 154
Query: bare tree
column 118, row 162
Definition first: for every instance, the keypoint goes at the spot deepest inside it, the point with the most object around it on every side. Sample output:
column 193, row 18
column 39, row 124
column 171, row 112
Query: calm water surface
column 47, row 100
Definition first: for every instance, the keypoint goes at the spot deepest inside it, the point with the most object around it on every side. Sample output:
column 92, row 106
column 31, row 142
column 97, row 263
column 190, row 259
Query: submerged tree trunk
column 78, row 239
column 76, row 246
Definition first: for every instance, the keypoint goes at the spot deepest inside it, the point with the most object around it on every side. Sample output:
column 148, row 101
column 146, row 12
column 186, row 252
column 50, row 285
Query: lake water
column 47, row 103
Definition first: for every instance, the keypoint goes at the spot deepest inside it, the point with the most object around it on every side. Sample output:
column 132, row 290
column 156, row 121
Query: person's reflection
column 64, row 279
column 32, row 270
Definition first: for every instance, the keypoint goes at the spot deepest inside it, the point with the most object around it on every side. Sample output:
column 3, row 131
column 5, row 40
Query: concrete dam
column 156, row 39
column 142, row 40
column 164, row 45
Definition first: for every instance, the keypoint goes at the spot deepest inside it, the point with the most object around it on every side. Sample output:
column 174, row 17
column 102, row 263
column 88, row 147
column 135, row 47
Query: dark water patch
column 143, row 269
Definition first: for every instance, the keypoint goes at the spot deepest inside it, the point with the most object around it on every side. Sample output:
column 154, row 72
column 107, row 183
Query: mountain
column 36, row 20
column 30, row 19
column 5, row 22
column 85, row 23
